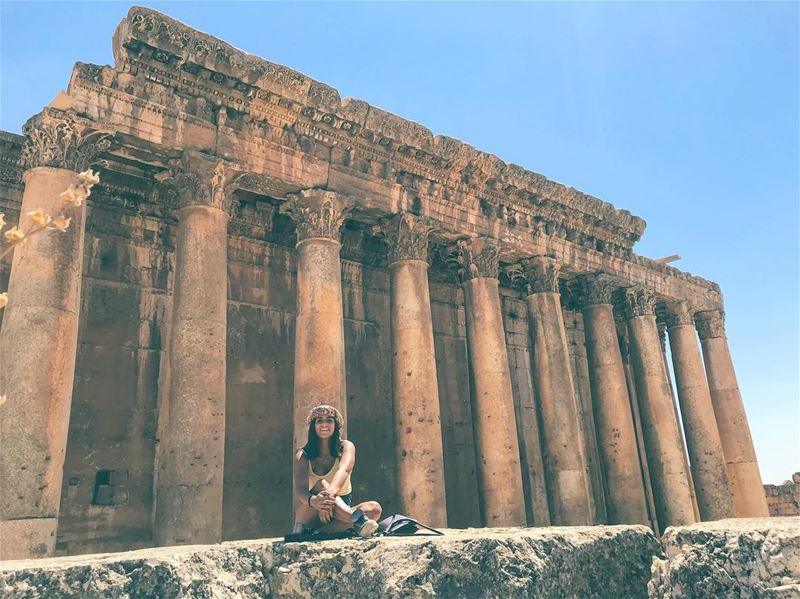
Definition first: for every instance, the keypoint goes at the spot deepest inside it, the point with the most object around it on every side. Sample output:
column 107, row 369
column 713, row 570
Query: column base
column 27, row 538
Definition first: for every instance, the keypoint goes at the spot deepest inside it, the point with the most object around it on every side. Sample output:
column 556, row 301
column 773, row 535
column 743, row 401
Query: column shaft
column 499, row 474
column 38, row 346
column 665, row 458
column 493, row 418
column 191, row 456
column 420, row 463
column 564, row 462
column 700, row 428
column 744, row 476
column 616, row 436
column 319, row 363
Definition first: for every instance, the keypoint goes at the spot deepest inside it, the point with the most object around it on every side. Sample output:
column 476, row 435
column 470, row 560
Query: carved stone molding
column 679, row 313
column 542, row 274
column 317, row 213
column 58, row 139
column 596, row 289
column 407, row 237
column 710, row 324
column 478, row 258
column 639, row 302
column 200, row 180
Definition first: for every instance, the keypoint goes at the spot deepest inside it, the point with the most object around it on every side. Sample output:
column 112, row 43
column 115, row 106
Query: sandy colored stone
column 625, row 494
column 499, row 474
column 192, row 453
column 671, row 492
column 734, row 430
column 420, row 465
column 564, row 461
column 537, row 562
column 749, row 557
column 700, row 427
column 38, row 346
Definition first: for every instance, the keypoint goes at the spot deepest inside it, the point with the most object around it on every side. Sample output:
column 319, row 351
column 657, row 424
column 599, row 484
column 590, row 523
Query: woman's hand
column 323, row 502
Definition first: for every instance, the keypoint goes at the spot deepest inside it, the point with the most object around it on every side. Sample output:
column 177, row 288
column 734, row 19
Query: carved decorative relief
column 679, row 313
column 407, row 237
column 58, row 139
column 317, row 213
column 595, row 289
column 542, row 274
column 710, row 324
column 477, row 258
column 199, row 180
column 639, row 302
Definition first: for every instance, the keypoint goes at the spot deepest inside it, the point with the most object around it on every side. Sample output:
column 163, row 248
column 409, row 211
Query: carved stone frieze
column 542, row 274
column 679, row 313
column 317, row 213
column 710, row 324
column 407, row 237
column 595, row 289
column 58, row 139
column 639, row 302
column 477, row 258
column 276, row 93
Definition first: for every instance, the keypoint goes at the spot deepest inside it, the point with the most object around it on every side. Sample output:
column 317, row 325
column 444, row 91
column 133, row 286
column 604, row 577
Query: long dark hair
column 311, row 448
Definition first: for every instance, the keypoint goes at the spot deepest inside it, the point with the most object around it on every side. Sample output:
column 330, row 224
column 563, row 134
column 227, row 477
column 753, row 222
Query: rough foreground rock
column 757, row 557
column 609, row 561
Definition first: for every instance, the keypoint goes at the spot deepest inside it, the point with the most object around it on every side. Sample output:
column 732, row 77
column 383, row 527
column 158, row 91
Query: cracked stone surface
column 753, row 557
column 534, row 562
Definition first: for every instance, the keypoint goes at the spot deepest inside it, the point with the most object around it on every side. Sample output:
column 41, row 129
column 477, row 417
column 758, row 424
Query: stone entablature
column 185, row 95
column 205, row 65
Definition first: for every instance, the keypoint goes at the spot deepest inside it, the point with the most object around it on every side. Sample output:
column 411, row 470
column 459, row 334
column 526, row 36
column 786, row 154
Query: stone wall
column 784, row 500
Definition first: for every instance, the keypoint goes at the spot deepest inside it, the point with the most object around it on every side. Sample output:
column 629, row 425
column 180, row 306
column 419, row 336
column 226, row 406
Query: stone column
column 616, row 436
column 662, row 437
column 737, row 445
column 563, row 451
column 420, row 462
column 493, row 420
column 699, row 426
column 39, row 337
column 319, row 366
column 192, row 445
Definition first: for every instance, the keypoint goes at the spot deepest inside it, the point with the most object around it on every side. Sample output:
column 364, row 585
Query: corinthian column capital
column 200, row 180
column 639, row 302
column 710, row 324
column 542, row 274
column 317, row 213
column 478, row 258
column 407, row 236
column 58, row 139
column 596, row 289
column 679, row 313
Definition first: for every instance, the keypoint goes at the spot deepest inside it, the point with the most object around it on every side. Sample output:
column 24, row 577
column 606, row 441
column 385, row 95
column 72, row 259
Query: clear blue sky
column 683, row 113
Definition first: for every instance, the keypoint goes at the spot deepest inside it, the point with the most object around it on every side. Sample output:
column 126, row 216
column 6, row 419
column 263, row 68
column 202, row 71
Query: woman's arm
column 301, row 492
column 346, row 464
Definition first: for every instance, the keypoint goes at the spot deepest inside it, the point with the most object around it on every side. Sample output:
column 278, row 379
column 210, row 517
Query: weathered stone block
column 535, row 562
column 747, row 557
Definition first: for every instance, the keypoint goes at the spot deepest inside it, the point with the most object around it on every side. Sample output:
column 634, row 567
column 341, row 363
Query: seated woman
column 322, row 480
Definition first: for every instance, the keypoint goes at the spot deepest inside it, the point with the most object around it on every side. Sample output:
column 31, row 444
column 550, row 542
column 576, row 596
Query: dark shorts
column 348, row 499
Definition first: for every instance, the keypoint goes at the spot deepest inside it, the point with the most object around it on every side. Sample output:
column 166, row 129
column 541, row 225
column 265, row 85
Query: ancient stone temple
column 257, row 245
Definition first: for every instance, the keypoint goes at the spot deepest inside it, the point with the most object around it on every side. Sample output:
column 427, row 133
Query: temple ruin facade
column 257, row 245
